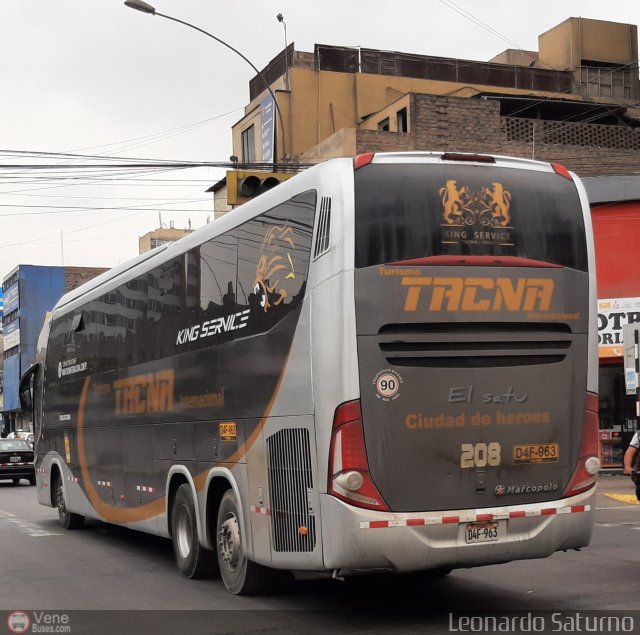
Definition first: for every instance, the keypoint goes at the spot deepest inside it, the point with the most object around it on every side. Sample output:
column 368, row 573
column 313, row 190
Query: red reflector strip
column 473, row 518
column 260, row 510
column 376, row 524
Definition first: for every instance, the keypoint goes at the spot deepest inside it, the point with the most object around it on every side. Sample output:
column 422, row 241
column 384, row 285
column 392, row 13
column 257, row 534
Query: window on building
column 401, row 120
column 605, row 81
column 248, row 145
column 384, row 125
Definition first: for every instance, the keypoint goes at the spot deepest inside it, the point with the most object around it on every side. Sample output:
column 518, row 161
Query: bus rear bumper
column 438, row 540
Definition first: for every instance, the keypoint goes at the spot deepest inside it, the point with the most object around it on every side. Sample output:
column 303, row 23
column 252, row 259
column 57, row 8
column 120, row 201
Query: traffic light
column 242, row 186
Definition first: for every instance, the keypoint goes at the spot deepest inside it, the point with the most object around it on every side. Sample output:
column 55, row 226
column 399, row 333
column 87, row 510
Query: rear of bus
column 475, row 437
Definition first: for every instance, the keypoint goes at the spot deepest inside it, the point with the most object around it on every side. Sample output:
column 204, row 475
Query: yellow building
column 160, row 236
column 574, row 100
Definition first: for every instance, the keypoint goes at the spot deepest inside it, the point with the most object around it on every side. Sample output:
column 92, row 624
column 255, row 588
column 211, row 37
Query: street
column 104, row 567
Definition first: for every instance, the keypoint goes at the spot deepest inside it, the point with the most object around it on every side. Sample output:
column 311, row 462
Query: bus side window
column 273, row 260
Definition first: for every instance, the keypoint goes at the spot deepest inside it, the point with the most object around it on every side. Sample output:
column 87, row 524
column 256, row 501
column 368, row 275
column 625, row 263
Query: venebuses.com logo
column 38, row 622
column 18, row 622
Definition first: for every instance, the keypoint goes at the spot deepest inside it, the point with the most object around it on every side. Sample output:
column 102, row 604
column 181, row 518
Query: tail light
column 475, row 158
column 363, row 159
column 349, row 477
column 584, row 476
column 562, row 171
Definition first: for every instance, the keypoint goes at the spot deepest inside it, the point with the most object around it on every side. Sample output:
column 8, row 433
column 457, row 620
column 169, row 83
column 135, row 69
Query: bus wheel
column 240, row 575
column 193, row 560
column 68, row 519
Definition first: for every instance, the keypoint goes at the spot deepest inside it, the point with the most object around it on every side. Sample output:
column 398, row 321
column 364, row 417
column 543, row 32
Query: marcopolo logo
column 536, row 488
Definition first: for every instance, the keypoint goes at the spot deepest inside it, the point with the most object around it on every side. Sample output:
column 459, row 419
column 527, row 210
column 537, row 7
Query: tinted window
column 273, row 258
column 414, row 211
column 210, row 314
column 7, row 446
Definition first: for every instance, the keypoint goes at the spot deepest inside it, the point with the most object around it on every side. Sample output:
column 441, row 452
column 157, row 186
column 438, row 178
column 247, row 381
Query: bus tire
column 240, row 575
column 68, row 519
column 193, row 560
column 16, row 481
column 32, row 480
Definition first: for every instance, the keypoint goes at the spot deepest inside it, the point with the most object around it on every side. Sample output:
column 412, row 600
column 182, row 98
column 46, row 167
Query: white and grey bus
column 386, row 363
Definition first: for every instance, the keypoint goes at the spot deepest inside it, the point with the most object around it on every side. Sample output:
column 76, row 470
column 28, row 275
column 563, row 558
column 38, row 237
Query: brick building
column 574, row 101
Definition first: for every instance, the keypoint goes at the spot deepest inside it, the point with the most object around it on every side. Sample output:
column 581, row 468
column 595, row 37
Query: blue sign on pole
column 267, row 108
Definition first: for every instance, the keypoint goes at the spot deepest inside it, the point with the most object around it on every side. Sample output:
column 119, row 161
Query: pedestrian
column 631, row 457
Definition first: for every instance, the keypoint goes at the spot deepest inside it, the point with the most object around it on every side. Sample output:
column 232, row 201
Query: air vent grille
column 290, row 485
column 474, row 345
column 323, row 233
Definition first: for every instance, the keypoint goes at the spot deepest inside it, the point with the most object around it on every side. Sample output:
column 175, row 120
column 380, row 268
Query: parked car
column 16, row 461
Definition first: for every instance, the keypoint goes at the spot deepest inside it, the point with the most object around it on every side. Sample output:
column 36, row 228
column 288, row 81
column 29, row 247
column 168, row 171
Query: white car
column 22, row 434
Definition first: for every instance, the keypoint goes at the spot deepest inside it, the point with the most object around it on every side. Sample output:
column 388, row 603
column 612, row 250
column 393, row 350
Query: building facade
column 160, row 236
column 574, row 101
column 29, row 293
column 615, row 211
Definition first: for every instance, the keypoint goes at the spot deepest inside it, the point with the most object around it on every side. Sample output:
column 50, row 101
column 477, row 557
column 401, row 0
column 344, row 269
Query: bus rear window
column 419, row 210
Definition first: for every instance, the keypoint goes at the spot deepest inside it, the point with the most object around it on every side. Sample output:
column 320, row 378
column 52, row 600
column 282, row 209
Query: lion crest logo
column 487, row 207
column 275, row 267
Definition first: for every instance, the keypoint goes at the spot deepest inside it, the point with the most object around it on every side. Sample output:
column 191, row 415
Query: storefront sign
column 611, row 450
column 631, row 339
column 613, row 314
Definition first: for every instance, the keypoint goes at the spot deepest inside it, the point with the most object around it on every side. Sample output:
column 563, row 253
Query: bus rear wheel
column 193, row 560
column 240, row 575
column 68, row 519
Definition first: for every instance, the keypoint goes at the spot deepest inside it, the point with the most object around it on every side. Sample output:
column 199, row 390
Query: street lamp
column 139, row 5
column 280, row 19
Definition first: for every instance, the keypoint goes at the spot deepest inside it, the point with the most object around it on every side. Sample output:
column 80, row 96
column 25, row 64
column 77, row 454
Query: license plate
column 536, row 453
column 15, row 459
column 485, row 532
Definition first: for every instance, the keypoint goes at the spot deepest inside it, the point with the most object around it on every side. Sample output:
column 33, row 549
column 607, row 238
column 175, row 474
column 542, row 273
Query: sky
column 95, row 78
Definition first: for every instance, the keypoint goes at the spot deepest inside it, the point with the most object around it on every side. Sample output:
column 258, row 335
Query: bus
column 388, row 363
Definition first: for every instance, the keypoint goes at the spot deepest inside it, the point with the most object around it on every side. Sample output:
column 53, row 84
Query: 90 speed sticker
column 387, row 383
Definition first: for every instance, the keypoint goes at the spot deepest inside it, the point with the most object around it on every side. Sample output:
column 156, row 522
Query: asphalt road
column 101, row 568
